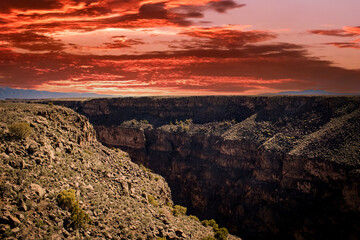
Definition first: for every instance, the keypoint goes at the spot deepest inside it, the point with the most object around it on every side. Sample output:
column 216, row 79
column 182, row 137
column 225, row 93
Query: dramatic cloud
column 251, row 68
column 345, row 45
column 345, row 32
column 223, row 6
column 32, row 41
column 162, row 47
column 334, row 32
column 56, row 15
column 6, row 6
column 228, row 37
column 123, row 42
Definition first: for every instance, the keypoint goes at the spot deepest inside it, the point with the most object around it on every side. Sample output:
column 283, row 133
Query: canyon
column 285, row 167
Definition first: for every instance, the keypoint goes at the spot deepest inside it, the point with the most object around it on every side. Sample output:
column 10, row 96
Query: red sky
column 180, row 47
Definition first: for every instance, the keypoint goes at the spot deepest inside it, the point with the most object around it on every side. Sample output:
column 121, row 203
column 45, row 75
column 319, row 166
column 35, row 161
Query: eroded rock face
column 285, row 167
column 61, row 165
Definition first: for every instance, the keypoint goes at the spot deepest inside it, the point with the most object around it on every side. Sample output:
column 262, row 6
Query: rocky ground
column 122, row 199
column 265, row 167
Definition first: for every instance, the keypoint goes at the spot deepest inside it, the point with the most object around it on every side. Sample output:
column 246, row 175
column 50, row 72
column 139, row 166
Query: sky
column 180, row 47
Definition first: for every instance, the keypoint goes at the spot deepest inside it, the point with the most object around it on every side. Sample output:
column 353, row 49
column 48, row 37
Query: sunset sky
column 180, row 47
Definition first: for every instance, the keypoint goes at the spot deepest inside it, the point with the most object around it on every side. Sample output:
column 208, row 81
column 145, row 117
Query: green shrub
column 67, row 200
column 145, row 168
column 188, row 121
column 79, row 217
column 212, row 223
column 20, row 129
column 221, row 234
column 194, row 218
column 153, row 201
column 179, row 210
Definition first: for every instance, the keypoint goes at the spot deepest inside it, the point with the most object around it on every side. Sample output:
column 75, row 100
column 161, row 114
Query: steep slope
column 121, row 199
column 266, row 167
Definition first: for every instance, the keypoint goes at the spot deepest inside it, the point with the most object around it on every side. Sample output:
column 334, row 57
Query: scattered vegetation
column 145, row 168
column 212, row 223
column 220, row 233
column 137, row 122
column 42, row 177
column 227, row 123
column 179, row 210
column 67, row 200
column 183, row 126
column 153, row 201
column 20, row 129
column 194, row 218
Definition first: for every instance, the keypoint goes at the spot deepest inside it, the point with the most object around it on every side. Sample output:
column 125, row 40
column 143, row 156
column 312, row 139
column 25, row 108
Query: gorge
column 280, row 167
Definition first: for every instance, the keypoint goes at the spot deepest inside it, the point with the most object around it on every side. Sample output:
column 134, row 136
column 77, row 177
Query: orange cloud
column 32, row 41
column 57, row 15
column 345, row 45
column 37, row 50
column 246, row 69
column 345, row 32
column 227, row 36
column 334, row 32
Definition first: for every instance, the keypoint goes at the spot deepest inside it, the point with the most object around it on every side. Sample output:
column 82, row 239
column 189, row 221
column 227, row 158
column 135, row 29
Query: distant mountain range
column 12, row 93
column 6, row 93
column 310, row 92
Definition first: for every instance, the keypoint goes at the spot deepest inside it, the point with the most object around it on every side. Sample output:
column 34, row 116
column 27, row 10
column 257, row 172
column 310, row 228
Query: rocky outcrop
column 60, row 157
column 266, row 167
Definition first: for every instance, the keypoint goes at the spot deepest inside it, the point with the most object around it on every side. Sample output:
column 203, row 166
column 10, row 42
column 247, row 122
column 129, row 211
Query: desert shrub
column 153, row 201
column 67, row 200
column 194, row 217
column 188, row 121
column 145, row 168
column 221, row 234
column 20, row 129
column 212, row 223
column 179, row 210
column 51, row 104
column 225, row 124
column 79, row 217
column 39, row 223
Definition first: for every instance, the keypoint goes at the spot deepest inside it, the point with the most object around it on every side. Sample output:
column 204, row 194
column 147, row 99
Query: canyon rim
column 283, row 167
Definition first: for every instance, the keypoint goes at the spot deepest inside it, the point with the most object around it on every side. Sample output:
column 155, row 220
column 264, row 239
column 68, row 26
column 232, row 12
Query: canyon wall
column 265, row 167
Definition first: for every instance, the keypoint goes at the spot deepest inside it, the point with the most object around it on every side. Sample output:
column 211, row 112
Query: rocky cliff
column 266, row 167
column 58, row 182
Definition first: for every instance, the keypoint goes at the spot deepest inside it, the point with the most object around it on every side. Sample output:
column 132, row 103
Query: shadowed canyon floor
column 265, row 167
